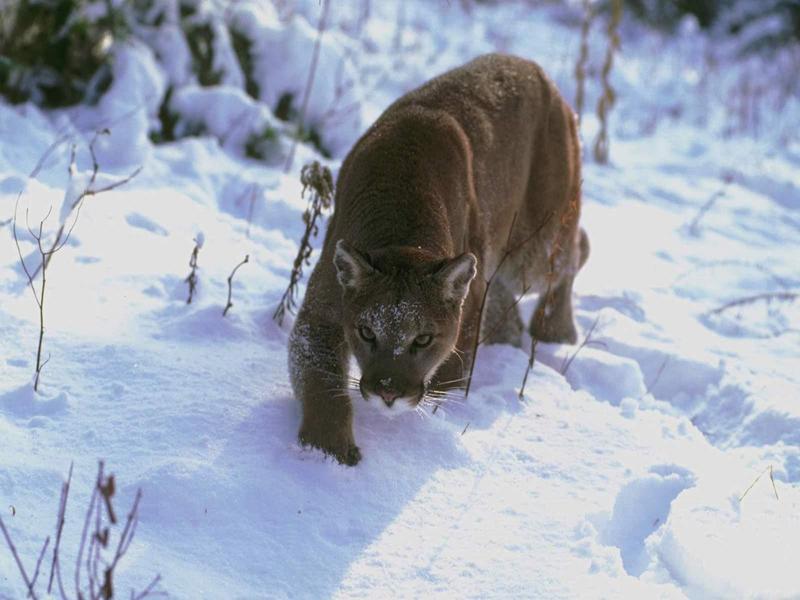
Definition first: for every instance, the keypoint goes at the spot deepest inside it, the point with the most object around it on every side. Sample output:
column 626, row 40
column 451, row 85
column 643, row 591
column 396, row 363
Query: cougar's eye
column 366, row 333
column 422, row 341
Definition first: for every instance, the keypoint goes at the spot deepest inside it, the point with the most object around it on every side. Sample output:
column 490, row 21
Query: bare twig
column 148, row 590
column 252, row 193
column 694, row 226
column 755, row 481
column 55, row 568
column 587, row 341
column 649, row 389
column 319, row 180
column 397, row 40
column 608, row 98
column 567, row 223
column 341, row 87
column 509, row 251
column 777, row 279
column 766, row 297
column 13, row 549
column 60, row 240
column 39, row 564
column 772, row 479
column 97, row 581
column 123, row 544
column 77, row 204
column 583, row 58
column 323, row 21
column 191, row 278
column 87, row 520
column 229, row 305
column 529, row 366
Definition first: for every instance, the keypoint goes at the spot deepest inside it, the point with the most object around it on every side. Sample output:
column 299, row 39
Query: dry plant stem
column 342, row 86
column 254, row 189
column 779, row 281
column 230, row 284
column 85, row 532
column 566, row 222
column 98, row 571
column 649, row 389
column 37, row 296
column 397, row 42
column 39, row 563
column 13, row 549
column 755, row 481
column 529, row 366
column 767, row 297
column 60, row 241
column 323, row 20
column 694, row 227
column 506, row 254
column 587, row 341
column 583, row 58
column 55, row 568
column 319, row 180
column 146, row 591
column 772, row 479
column 483, row 304
column 191, row 279
column 608, row 97
column 78, row 203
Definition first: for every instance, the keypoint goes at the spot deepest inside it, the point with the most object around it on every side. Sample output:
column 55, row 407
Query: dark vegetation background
column 57, row 53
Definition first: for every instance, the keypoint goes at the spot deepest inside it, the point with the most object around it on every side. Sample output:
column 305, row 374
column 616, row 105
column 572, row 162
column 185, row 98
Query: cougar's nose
column 389, row 396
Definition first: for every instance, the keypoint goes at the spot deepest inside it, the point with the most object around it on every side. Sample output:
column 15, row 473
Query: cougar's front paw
column 339, row 445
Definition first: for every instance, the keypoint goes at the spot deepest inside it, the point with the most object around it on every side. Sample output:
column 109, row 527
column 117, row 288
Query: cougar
column 475, row 176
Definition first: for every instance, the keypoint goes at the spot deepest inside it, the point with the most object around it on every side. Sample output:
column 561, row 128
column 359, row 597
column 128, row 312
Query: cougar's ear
column 351, row 266
column 456, row 275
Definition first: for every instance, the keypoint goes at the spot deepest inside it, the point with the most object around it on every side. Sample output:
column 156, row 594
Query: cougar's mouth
column 391, row 404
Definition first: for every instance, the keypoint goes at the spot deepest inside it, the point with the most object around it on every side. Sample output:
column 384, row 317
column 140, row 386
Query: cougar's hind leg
column 501, row 321
column 553, row 320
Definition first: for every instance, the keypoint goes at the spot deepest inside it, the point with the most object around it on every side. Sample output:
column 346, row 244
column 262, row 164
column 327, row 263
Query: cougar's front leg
column 318, row 367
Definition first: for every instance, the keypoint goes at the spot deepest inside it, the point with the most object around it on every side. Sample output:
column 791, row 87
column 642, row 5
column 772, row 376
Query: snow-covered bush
column 770, row 24
column 190, row 68
column 57, row 53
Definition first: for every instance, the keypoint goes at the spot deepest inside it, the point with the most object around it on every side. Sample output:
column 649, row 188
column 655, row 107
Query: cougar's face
column 401, row 325
column 399, row 345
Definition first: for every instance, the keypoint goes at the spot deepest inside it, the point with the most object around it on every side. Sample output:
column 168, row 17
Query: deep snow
column 620, row 477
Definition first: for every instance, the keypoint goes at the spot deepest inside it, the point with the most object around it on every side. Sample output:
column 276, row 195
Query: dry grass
column 319, row 180
column 98, row 557
column 608, row 97
column 229, row 304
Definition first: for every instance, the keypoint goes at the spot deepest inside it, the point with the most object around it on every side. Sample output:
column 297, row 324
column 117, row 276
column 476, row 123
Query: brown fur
column 432, row 186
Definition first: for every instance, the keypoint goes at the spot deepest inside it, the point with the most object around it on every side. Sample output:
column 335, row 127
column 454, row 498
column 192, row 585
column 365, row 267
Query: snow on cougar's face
column 401, row 320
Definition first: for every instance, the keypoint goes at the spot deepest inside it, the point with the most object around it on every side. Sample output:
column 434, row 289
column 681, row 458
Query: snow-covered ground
column 620, row 474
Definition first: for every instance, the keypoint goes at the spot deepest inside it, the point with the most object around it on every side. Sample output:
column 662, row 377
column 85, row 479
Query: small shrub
column 242, row 47
column 168, row 120
column 54, row 53
column 200, row 37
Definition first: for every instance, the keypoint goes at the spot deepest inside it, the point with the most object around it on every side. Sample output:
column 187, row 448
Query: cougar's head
column 401, row 317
